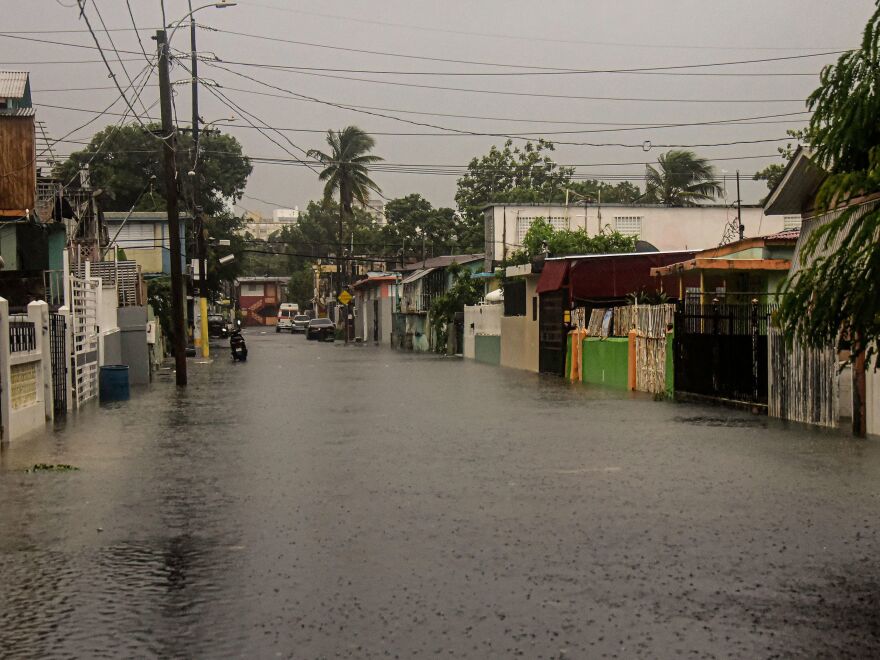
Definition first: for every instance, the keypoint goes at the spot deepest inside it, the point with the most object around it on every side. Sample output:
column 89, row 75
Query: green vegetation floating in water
column 48, row 467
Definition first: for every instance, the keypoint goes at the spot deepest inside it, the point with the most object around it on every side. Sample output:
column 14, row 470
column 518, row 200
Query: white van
column 286, row 312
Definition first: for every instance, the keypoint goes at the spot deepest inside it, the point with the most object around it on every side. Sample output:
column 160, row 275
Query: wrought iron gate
column 721, row 350
column 84, row 312
column 58, row 349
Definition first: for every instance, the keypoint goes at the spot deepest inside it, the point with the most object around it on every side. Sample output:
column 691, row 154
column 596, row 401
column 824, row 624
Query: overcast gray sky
column 570, row 34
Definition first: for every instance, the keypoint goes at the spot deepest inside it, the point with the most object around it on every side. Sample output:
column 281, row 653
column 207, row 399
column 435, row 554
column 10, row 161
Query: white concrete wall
column 19, row 418
column 691, row 228
column 872, row 402
column 480, row 320
column 108, row 326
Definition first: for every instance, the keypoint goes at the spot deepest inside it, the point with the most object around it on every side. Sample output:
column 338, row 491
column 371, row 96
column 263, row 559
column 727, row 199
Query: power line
column 521, row 37
column 529, row 135
column 499, row 92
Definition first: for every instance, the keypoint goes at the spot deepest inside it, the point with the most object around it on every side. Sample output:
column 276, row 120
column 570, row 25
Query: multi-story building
column 657, row 227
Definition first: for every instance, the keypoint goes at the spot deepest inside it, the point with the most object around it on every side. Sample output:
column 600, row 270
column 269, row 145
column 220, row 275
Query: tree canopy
column 836, row 294
column 563, row 242
column 123, row 159
column 526, row 174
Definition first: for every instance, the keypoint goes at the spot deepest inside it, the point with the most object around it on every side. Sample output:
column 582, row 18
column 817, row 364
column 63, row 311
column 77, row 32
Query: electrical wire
column 499, row 92
column 118, row 56
column 517, row 37
column 625, row 126
column 425, row 58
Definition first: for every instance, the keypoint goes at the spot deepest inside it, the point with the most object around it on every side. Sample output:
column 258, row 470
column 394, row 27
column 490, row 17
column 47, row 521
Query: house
column 420, row 283
column 144, row 238
column 375, row 296
column 807, row 384
column 660, row 228
column 259, row 298
column 739, row 271
column 590, row 281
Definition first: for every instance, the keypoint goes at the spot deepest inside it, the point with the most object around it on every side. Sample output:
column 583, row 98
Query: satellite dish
column 644, row 246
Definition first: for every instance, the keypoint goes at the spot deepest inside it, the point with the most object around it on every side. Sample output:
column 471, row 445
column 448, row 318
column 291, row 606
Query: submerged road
column 324, row 501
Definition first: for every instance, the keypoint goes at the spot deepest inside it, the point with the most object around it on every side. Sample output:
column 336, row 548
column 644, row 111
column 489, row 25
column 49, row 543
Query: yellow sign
column 344, row 297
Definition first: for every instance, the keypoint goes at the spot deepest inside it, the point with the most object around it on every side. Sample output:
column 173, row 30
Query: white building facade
column 664, row 227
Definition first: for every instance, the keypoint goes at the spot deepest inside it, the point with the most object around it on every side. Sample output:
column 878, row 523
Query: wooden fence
column 803, row 382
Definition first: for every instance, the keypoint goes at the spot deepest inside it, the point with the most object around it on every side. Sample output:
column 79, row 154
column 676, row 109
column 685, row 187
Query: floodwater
column 324, row 501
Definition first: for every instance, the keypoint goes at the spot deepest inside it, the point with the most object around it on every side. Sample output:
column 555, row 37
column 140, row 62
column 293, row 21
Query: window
column 558, row 222
column 134, row 235
column 250, row 289
column 792, row 222
column 628, row 225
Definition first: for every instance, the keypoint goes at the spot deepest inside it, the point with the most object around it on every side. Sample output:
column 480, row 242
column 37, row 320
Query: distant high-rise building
column 262, row 228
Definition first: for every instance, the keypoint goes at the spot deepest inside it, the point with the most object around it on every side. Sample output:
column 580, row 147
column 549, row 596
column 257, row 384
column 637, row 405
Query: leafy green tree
column 414, row 223
column 563, row 242
column 464, row 291
column 510, row 174
column 681, row 179
column 124, row 160
column 606, row 193
column 346, row 172
column 527, row 174
column 836, row 295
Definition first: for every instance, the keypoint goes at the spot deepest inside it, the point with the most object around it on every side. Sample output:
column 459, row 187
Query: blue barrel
column 114, row 382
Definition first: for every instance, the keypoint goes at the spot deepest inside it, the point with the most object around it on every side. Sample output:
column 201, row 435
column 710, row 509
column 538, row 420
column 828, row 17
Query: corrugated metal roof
column 784, row 235
column 442, row 262
column 18, row 112
column 13, row 84
column 419, row 274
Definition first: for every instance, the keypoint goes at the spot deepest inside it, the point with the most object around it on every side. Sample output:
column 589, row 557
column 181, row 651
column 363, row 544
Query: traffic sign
column 344, row 297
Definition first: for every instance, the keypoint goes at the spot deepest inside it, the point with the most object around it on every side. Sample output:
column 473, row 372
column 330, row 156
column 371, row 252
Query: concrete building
column 263, row 228
column 259, row 298
column 660, row 227
column 375, row 297
column 143, row 236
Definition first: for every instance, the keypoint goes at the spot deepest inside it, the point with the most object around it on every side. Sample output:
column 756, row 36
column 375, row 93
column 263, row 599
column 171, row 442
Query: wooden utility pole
column 739, row 217
column 198, row 215
column 169, row 140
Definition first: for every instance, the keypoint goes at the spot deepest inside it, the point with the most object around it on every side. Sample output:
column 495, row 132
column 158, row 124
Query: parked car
column 321, row 329
column 286, row 312
column 217, row 326
column 300, row 323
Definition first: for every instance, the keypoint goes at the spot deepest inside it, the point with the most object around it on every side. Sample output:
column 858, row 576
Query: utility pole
column 739, row 217
column 198, row 215
column 169, row 139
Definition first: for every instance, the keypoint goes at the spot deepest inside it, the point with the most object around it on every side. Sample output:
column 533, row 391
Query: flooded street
column 323, row 501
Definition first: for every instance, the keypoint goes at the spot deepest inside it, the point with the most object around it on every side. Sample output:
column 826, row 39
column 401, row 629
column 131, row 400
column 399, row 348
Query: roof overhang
column 714, row 264
column 798, row 186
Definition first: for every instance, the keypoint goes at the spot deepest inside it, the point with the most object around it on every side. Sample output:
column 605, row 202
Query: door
column 376, row 320
column 552, row 332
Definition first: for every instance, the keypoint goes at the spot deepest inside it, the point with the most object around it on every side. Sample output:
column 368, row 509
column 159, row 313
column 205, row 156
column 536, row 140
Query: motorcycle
column 237, row 344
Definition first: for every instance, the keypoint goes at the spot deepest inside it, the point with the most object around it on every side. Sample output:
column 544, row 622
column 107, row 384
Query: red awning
column 617, row 275
column 553, row 276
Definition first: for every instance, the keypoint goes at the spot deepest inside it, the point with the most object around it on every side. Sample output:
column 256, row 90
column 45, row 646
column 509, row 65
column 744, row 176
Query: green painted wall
column 487, row 349
column 9, row 247
column 605, row 361
column 57, row 243
column 670, row 364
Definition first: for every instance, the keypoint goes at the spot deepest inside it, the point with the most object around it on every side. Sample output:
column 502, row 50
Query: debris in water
column 49, row 467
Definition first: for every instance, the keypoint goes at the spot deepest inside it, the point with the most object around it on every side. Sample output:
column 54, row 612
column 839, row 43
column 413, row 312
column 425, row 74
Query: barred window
column 792, row 222
column 558, row 222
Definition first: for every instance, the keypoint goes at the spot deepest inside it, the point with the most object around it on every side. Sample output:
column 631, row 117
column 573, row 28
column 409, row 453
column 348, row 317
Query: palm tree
column 681, row 179
column 346, row 172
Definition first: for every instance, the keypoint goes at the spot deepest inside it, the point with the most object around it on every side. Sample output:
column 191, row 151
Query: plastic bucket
column 114, row 382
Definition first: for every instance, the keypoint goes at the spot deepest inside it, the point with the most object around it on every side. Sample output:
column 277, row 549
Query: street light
column 200, row 237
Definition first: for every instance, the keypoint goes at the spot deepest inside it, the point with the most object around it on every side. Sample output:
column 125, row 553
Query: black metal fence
column 721, row 350
column 22, row 335
column 58, row 349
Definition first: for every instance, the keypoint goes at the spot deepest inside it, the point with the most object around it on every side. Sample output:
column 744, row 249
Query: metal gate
column 721, row 350
column 58, row 350
column 552, row 333
column 84, row 313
